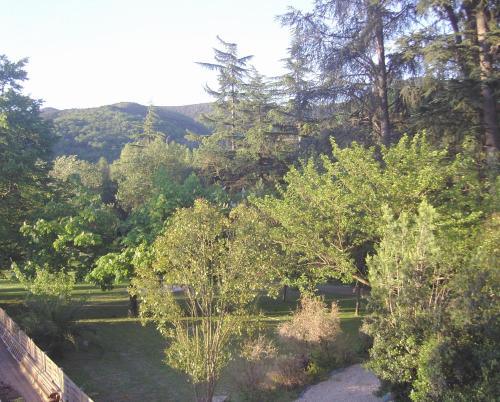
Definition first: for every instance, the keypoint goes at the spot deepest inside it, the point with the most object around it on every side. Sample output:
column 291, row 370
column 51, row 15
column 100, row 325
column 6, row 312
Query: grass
column 126, row 361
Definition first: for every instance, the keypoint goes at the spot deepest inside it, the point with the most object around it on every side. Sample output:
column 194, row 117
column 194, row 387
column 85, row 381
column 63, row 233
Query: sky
column 87, row 53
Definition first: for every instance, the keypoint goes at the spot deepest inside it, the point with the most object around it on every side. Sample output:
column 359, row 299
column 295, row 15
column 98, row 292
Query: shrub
column 311, row 338
column 51, row 312
column 312, row 325
column 313, row 322
column 258, row 356
column 45, row 283
column 258, row 349
column 51, row 322
column 290, row 372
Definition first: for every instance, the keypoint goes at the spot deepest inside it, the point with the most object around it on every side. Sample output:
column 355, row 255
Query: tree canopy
column 25, row 141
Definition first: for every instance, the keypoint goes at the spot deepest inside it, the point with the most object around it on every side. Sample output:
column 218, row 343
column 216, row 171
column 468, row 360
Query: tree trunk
column 233, row 117
column 357, row 290
column 381, row 80
column 453, row 19
column 285, row 288
column 204, row 392
column 133, row 306
column 491, row 140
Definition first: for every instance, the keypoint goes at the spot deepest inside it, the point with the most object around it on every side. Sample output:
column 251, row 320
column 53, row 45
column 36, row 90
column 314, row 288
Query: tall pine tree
column 348, row 43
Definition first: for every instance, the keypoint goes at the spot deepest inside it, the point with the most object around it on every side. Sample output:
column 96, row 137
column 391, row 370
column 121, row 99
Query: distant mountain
column 103, row 131
column 194, row 111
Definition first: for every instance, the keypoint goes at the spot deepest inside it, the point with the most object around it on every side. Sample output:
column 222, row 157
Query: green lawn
column 127, row 363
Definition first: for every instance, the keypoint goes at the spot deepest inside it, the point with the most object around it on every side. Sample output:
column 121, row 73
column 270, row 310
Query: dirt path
column 352, row 384
column 12, row 376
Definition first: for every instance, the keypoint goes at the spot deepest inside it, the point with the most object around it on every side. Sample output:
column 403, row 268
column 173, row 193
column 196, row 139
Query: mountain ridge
column 193, row 110
column 92, row 133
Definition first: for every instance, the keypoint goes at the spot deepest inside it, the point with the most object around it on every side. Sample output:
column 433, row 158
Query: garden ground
column 125, row 361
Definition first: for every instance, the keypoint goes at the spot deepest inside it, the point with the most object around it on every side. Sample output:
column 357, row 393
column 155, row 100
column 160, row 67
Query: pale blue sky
column 86, row 53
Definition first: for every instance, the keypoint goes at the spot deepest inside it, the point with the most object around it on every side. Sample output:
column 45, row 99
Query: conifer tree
column 263, row 150
column 297, row 93
column 487, row 14
column 456, row 49
column 149, row 132
column 250, row 146
column 232, row 71
column 347, row 41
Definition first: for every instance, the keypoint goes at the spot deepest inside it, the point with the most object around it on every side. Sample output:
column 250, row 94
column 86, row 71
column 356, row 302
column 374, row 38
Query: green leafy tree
column 94, row 177
column 25, row 142
column 433, row 314
column 460, row 362
column 144, row 225
column 113, row 268
column 328, row 216
column 200, row 251
column 68, row 166
column 70, row 233
column 12, row 74
column 138, row 166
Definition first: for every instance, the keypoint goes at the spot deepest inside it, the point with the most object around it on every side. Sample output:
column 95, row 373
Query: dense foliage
column 205, row 251
column 433, row 313
column 103, row 131
column 25, row 141
column 328, row 217
column 373, row 160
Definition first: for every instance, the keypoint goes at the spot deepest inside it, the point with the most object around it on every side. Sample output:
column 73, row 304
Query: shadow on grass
column 103, row 309
column 127, row 366
column 19, row 291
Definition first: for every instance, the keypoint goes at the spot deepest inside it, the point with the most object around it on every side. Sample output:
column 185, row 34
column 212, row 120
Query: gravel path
column 353, row 384
column 12, row 377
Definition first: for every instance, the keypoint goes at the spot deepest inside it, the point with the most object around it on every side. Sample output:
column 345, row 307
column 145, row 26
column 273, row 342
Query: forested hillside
column 195, row 111
column 103, row 131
